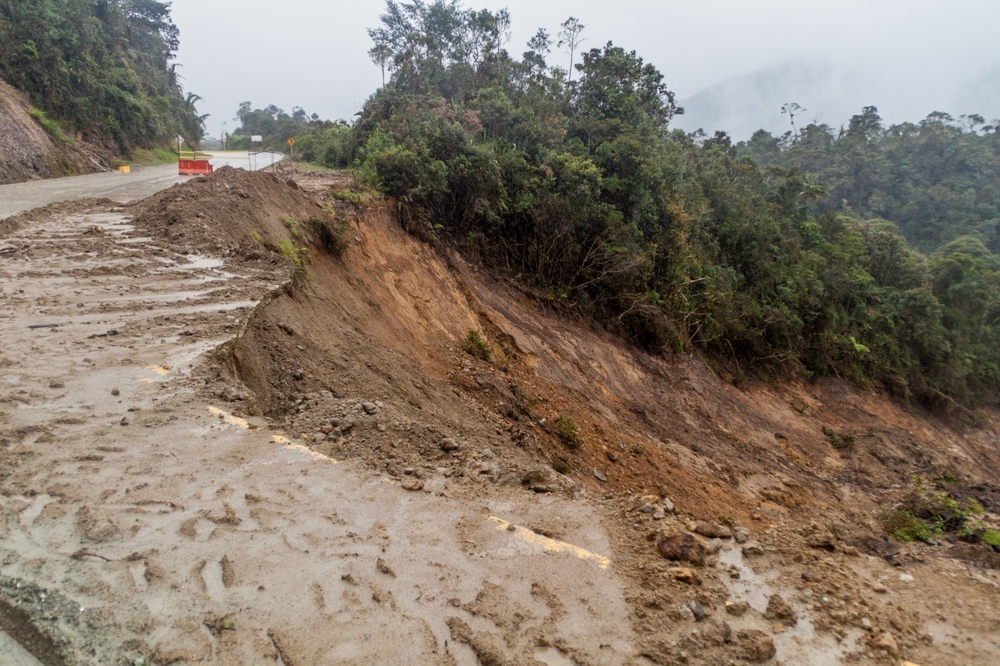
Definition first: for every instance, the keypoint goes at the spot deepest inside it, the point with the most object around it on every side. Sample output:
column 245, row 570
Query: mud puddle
column 800, row 644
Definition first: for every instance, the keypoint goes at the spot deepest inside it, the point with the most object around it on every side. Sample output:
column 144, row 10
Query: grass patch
column 568, row 431
column 53, row 128
column 925, row 514
column 839, row 442
column 561, row 466
column 347, row 196
column 905, row 527
column 154, row 157
column 297, row 255
column 992, row 538
column 476, row 346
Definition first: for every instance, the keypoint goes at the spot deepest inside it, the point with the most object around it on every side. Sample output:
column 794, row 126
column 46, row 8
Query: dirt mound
column 232, row 211
column 27, row 151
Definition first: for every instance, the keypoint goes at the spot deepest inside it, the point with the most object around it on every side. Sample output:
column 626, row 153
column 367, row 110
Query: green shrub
column 905, row 527
column 839, row 442
column 568, row 431
column 992, row 538
column 561, row 466
column 476, row 346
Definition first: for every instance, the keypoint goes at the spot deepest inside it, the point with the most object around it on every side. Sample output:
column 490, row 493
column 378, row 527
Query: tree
column 793, row 109
column 571, row 37
column 381, row 55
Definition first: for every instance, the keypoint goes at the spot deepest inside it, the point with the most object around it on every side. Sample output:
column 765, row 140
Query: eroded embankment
column 27, row 151
column 394, row 314
column 801, row 463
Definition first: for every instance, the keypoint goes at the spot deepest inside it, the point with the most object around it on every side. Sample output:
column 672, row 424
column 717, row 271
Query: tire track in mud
column 140, row 525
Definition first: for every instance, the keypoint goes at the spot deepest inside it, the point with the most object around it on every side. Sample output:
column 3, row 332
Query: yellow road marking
column 550, row 545
column 292, row 446
column 305, row 449
column 235, row 420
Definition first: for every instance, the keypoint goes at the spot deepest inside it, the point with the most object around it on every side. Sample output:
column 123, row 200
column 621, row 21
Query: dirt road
column 153, row 524
column 139, row 184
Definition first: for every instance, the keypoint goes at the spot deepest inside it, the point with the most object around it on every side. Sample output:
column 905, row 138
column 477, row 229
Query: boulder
column 682, row 547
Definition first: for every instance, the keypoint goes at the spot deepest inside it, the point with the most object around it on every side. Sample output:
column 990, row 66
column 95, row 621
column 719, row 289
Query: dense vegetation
column 319, row 141
column 937, row 180
column 100, row 67
column 571, row 182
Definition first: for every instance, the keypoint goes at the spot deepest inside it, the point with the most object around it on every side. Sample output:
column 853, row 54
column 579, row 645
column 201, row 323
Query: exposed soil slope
column 392, row 316
column 27, row 151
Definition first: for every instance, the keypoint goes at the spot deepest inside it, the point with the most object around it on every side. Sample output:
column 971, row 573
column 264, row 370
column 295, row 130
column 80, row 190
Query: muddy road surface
column 142, row 520
column 139, row 184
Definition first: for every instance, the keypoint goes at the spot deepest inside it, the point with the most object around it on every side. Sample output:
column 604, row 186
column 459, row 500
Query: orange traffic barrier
column 194, row 167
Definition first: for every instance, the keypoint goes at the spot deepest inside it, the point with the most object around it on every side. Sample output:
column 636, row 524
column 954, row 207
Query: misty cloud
column 733, row 62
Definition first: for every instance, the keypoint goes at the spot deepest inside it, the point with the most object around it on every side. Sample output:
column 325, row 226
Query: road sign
column 180, row 139
column 258, row 138
column 291, row 142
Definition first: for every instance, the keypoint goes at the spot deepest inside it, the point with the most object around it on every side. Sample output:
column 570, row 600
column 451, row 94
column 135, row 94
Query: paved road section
column 141, row 183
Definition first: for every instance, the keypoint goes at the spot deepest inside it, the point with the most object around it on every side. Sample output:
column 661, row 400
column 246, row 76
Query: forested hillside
column 99, row 67
column 937, row 180
column 572, row 183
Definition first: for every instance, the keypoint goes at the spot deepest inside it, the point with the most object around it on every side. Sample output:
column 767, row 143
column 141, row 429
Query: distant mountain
column 745, row 104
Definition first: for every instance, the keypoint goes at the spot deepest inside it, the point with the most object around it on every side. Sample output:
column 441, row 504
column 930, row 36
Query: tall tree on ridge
column 571, row 37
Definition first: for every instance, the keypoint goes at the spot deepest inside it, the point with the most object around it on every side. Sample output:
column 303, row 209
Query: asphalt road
column 141, row 183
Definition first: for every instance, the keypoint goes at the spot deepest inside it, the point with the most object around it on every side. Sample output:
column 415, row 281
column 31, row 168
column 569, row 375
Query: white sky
column 906, row 57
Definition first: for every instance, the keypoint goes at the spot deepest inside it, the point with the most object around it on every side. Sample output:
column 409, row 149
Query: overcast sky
column 906, row 57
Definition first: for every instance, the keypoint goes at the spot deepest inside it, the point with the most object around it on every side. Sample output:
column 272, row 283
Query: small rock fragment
column 779, row 610
column 713, row 546
column 600, row 477
column 370, row 408
column 685, row 575
column 822, row 541
column 753, row 549
column 449, row 444
column 737, row 608
column 711, row 530
column 755, row 646
column 413, row 484
column 384, row 568
column 886, row 643
column 697, row 610
column 124, row 421
column 115, row 391
column 741, row 534
column 546, row 480
column 668, row 506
